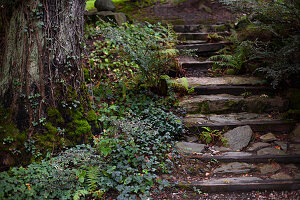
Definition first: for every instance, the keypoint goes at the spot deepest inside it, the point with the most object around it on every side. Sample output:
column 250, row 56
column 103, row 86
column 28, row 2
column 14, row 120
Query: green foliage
column 145, row 52
column 234, row 57
column 215, row 37
column 181, row 86
column 211, row 136
column 270, row 31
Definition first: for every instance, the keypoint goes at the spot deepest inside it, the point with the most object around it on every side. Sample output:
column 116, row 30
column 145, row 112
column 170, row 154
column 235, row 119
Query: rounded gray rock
column 104, row 5
column 239, row 137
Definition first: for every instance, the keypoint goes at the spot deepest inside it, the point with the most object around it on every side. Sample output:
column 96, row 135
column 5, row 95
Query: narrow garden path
column 263, row 151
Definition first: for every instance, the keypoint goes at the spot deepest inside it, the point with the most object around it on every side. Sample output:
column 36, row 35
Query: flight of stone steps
column 262, row 154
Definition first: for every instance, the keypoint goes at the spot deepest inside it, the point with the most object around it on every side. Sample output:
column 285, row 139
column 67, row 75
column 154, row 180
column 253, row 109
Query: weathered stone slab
column 270, row 151
column 190, row 147
column 191, row 138
column 258, row 122
column 281, row 176
column 235, row 168
column 225, row 103
column 269, row 137
column 204, row 47
column 268, row 168
column 231, row 180
column 223, row 149
column 224, row 80
column 236, row 154
column 258, row 145
column 239, row 137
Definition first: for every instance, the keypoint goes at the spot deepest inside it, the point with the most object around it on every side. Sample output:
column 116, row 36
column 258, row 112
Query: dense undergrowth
column 265, row 42
column 131, row 128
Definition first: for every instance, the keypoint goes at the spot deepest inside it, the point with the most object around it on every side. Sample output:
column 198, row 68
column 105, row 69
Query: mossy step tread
column 238, row 184
column 191, row 42
column 199, row 27
column 204, row 47
column 223, row 81
column 192, row 63
column 198, row 35
column 258, row 122
column 225, row 103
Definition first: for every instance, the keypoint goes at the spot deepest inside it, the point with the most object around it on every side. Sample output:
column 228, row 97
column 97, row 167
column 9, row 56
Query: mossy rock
column 230, row 72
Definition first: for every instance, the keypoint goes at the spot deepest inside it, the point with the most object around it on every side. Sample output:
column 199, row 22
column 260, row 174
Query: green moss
column 86, row 74
column 230, row 72
column 54, row 115
column 203, row 107
column 82, row 127
column 51, row 129
column 91, row 116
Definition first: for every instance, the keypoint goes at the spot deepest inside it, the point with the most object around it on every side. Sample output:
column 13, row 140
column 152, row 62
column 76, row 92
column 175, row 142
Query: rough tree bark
column 43, row 45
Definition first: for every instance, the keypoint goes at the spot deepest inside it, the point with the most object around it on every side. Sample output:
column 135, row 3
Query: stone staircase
column 262, row 153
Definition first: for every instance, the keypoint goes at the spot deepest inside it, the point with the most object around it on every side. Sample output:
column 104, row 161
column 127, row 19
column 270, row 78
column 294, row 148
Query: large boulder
column 104, row 5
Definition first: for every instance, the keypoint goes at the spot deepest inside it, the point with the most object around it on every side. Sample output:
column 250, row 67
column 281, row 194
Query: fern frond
column 93, row 175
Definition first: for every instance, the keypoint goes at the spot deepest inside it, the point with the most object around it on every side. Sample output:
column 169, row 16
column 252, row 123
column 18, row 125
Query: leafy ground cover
column 133, row 128
column 265, row 41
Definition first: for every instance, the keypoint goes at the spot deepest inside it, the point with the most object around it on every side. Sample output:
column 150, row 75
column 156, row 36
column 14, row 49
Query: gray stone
column 191, row 138
column 189, row 147
column 296, row 131
column 232, row 180
column 282, row 145
column 224, row 80
column 104, row 5
column 268, row 168
column 269, row 137
column 258, row 145
column 281, row 176
column 220, row 103
column 239, row 137
column 235, row 168
column 270, row 151
column 236, row 154
column 223, row 149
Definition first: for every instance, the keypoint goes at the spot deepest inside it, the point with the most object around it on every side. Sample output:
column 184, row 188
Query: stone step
column 200, row 28
column 239, row 184
column 198, row 35
column 226, row 103
column 247, row 158
column 190, row 42
column 204, row 47
column 192, row 63
column 235, row 85
column 258, row 122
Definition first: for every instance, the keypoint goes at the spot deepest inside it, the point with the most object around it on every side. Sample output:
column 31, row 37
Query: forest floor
column 201, row 12
column 180, row 12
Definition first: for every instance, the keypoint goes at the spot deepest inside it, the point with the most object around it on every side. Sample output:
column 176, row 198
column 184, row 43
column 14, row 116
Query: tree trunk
column 43, row 46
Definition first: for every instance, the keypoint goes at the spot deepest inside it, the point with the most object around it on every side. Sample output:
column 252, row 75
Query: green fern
column 93, row 176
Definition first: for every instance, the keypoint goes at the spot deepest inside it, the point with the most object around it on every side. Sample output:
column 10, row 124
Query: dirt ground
column 188, row 12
